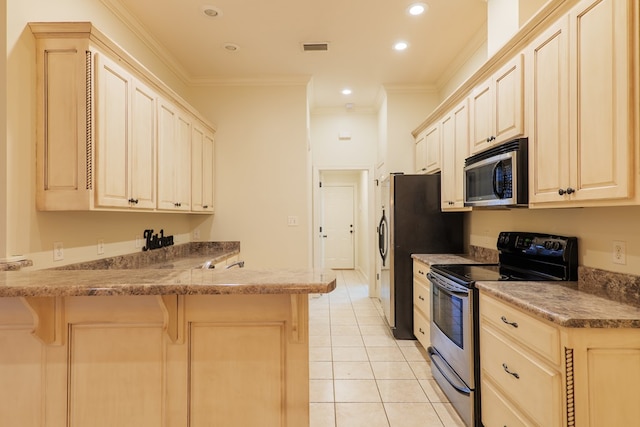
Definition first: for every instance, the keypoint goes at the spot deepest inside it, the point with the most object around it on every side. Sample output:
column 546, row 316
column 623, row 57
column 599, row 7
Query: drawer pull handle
column 504, row 319
column 421, row 331
column 506, row 369
column 420, row 297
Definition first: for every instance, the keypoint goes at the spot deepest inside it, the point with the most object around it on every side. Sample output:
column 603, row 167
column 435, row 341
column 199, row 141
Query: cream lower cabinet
column 581, row 107
column 202, row 167
column 421, row 303
column 535, row 373
column 149, row 361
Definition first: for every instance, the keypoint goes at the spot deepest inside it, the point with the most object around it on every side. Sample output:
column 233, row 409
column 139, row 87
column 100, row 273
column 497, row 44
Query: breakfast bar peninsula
column 156, row 347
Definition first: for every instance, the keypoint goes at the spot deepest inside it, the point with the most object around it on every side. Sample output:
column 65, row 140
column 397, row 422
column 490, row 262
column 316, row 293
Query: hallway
column 360, row 376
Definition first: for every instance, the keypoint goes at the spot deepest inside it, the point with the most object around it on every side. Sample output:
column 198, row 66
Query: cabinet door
column 508, row 109
column 202, row 164
column 455, row 142
column 481, row 117
column 174, row 148
column 432, row 141
column 143, row 142
column 112, row 101
column 601, row 115
column 548, row 68
column 447, row 189
column 421, row 154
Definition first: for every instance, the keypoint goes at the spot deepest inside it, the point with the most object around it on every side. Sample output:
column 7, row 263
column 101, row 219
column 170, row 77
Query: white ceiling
column 269, row 33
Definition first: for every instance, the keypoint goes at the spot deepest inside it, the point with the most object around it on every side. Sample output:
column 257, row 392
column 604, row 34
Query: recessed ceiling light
column 417, row 9
column 231, row 47
column 401, row 45
column 346, row 91
column 211, row 11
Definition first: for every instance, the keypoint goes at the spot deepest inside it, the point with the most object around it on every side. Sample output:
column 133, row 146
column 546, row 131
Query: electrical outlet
column 619, row 252
column 196, row 234
column 58, row 251
column 138, row 242
column 292, row 221
column 100, row 246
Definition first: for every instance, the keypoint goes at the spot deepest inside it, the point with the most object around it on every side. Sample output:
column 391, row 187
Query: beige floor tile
column 412, row 415
column 347, row 341
column 321, row 391
column 379, row 341
column 344, row 320
column 404, row 391
column 356, row 391
column 319, row 341
column 349, row 330
column 448, row 415
column 422, row 370
column 320, row 370
column 352, row 371
column 319, row 354
column 375, row 330
column 392, row 371
column 371, row 320
column 415, row 354
column 385, row 354
column 320, row 329
column 322, row 415
column 433, row 391
column 408, row 343
column 360, row 415
column 350, row 354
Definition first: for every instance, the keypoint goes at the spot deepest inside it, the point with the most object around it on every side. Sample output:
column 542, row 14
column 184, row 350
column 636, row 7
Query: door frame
column 369, row 251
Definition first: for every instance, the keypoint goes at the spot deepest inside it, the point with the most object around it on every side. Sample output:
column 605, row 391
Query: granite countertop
column 165, row 281
column 563, row 303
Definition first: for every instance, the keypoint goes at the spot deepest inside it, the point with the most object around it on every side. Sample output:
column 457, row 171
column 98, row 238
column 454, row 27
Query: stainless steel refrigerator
column 411, row 222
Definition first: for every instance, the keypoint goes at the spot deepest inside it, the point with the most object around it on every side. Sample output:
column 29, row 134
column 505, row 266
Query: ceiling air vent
column 315, row 47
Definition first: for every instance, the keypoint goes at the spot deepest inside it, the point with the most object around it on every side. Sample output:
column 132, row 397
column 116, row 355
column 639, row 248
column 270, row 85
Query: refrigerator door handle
column 382, row 238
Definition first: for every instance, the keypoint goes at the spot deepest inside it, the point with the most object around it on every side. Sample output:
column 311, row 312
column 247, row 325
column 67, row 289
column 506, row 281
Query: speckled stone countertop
column 581, row 304
column 53, row 283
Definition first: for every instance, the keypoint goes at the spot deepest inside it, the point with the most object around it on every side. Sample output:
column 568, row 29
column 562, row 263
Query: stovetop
column 523, row 256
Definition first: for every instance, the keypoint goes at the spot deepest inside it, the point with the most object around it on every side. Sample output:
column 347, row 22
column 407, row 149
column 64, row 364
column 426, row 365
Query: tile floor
column 359, row 374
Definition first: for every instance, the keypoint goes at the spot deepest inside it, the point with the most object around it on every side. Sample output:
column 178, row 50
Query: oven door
column 452, row 326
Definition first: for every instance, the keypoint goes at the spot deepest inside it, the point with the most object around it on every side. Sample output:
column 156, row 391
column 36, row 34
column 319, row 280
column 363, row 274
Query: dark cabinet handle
column 506, row 369
column 133, row 201
column 504, row 319
column 177, row 204
column 420, row 297
column 569, row 190
column 205, row 206
column 421, row 331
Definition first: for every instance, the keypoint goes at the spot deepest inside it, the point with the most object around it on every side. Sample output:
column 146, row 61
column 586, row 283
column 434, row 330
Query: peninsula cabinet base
column 152, row 361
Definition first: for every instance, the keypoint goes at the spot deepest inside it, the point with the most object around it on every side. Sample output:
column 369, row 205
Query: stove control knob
column 547, row 245
column 556, row 246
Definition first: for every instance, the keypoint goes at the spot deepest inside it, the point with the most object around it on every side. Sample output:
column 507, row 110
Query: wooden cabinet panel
column 230, row 386
column 143, row 146
column 174, row 157
column 427, row 150
column 422, row 329
column 421, row 303
column 420, row 160
column 202, row 174
column 455, row 145
column 498, row 411
column 481, row 117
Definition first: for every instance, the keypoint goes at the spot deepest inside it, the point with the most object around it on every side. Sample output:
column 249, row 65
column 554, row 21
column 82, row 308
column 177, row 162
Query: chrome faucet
column 240, row 264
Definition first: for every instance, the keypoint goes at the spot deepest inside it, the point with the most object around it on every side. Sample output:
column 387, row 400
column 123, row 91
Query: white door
column 338, row 228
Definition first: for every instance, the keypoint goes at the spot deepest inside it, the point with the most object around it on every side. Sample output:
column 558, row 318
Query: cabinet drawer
column 421, row 328
column 422, row 297
column 539, row 336
column 497, row 411
column 420, row 270
column 529, row 383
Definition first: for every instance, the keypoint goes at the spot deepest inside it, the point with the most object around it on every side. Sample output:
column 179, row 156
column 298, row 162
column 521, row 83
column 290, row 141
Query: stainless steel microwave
column 498, row 176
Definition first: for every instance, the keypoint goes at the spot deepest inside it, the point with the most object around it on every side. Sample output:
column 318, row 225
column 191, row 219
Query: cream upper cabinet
column 421, row 154
column 455, row 143
column 202, row 167
column 496, row 107
column 174, row 157
column 125, row 122
column 103, row 124
column 427, row 150
column 581, row 150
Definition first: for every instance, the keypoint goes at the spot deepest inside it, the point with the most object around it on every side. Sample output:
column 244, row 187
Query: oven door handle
column 434, row 356
column 453, row 290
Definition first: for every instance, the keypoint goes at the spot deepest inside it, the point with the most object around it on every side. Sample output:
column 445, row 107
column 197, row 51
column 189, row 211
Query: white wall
column 3, row 129
column 262, row 172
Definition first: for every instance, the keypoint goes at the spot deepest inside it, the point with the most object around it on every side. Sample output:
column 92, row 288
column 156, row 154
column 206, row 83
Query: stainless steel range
column 454, row 308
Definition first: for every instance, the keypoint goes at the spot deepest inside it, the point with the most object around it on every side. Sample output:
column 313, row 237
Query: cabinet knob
column 421, row 331
column 177, row 204
column 420, row 297
column 569, row 190
column 133, row 201
column 205, row 206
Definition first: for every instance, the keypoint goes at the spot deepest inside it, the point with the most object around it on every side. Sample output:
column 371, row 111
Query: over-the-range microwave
column 498, row 176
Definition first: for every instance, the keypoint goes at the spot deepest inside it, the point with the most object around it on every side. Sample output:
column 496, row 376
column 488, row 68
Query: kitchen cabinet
column 174, row 157
column 125, row 122
column 202, row 164
column 455, row 145
column 534, row 372
column 421, row 303
column 110, row 135
column 427, row 153
column 582, row 114
column 496, row 110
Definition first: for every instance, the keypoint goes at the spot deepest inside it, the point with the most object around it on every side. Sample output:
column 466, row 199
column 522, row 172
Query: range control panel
column 535, row 244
